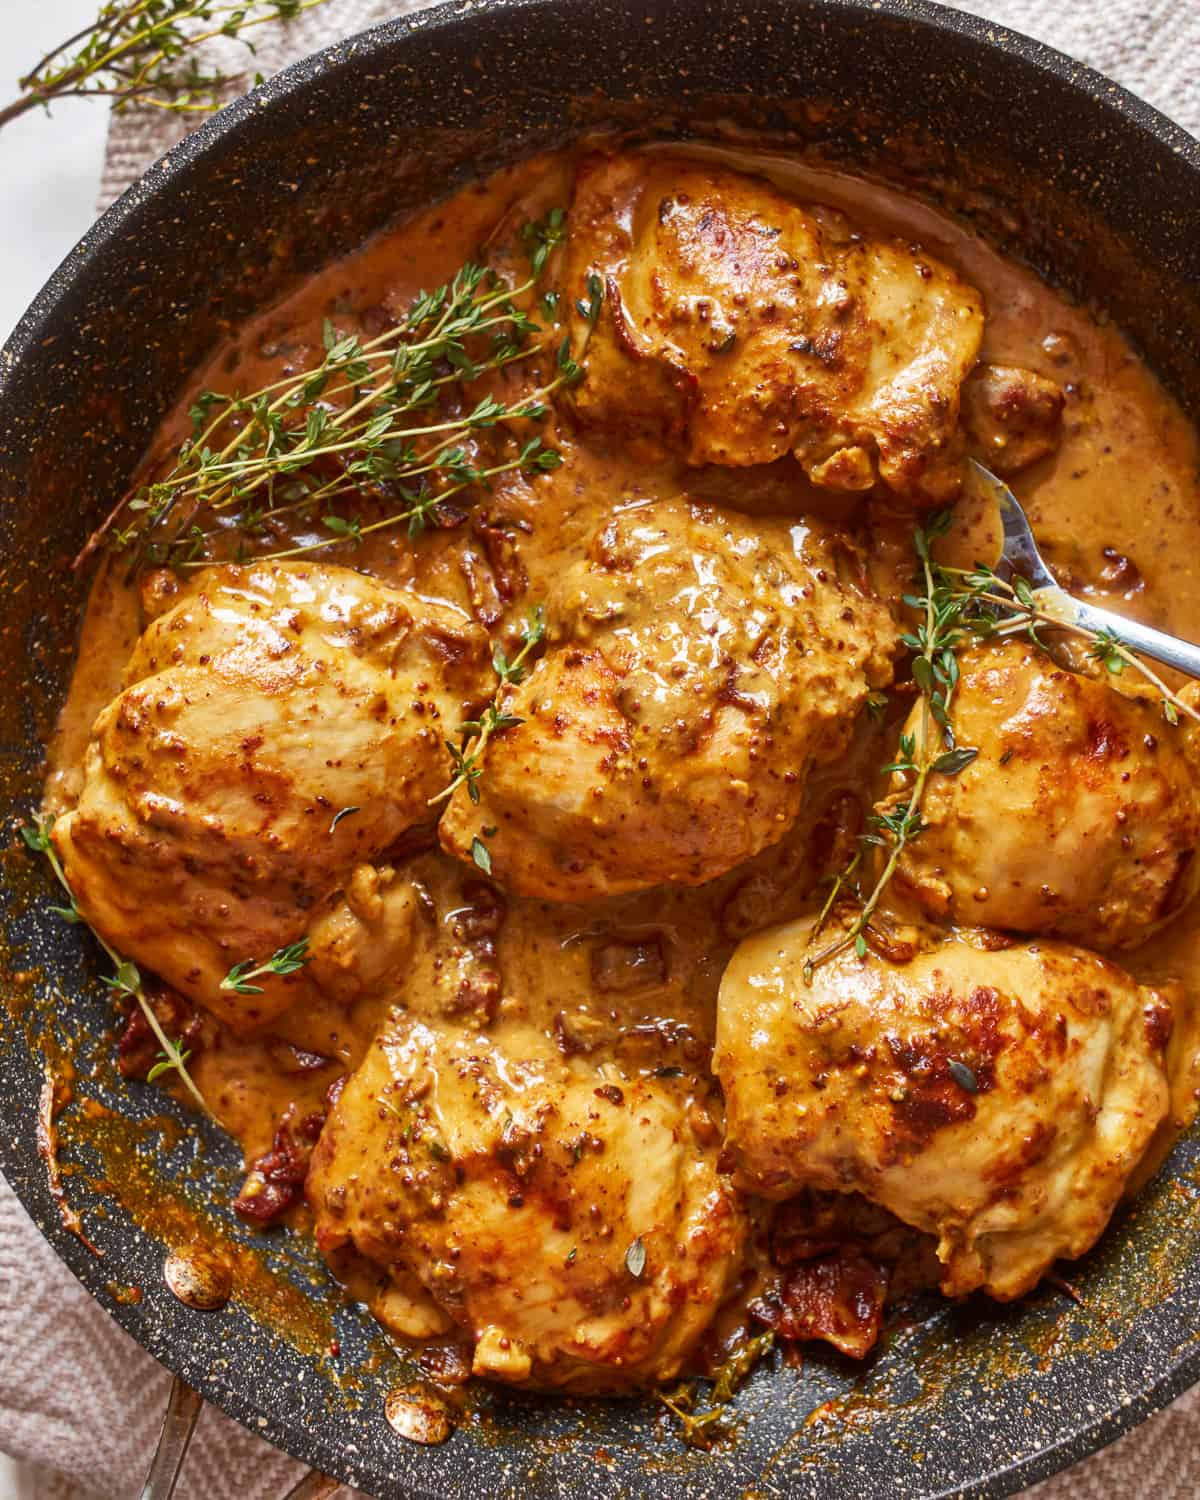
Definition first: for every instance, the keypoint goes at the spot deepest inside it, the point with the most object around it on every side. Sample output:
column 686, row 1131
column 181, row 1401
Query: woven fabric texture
column 77, row 1397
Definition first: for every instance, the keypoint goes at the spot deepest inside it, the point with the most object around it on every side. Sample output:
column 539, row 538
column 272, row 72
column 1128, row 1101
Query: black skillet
column 1060, row 166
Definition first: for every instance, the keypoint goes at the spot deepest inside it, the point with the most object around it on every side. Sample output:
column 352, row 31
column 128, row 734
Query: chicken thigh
column 569, row 1218
column 699, row 663
column 279, row 727
column 1080, row 815
column 738, row 326
column 995, row 1097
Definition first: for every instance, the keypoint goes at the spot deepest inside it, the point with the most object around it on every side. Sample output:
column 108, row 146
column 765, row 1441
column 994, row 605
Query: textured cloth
column 76, row 1394
column 1148, row 45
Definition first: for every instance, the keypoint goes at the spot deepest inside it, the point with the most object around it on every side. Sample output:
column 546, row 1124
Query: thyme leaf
column 287, row 960
column 951, row 762
column 590, row 310
column 344, row 812
column 541, row 236
column 1106, row 649
column 170, row 1060
column 635, row 1258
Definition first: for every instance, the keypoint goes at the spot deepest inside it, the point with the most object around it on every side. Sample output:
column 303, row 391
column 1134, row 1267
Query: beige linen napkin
column 82, row 1400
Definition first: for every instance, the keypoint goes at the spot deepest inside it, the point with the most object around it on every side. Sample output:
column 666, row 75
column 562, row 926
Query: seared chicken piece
column 699, row 663
column 1012, row 417
column 738, row 326
column 997, row 1098
column 1080, row 816
column 271, row 699
column 570, row 1219
column 363, row 934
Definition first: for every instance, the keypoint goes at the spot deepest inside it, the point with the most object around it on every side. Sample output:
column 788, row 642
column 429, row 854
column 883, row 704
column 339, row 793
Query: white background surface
column 49, row 171
column 49, row 167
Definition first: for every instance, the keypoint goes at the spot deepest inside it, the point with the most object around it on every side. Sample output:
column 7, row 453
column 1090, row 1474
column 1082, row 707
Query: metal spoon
column 1021, row 556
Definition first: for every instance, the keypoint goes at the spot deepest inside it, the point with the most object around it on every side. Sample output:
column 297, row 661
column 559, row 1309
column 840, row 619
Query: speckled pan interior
column 1054, row 161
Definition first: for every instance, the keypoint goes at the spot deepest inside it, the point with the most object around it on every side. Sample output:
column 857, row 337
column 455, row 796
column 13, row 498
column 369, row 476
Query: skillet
column 1056, row 163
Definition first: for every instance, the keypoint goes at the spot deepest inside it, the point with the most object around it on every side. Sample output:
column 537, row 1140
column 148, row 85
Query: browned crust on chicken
column 700, row 662
column 740, row 325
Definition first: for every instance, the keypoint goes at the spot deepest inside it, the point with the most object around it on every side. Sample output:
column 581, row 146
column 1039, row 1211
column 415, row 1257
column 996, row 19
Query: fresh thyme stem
column 227, row 462
column 287, row 960
column 836, row 885
column 910, row 826
column 988, row 588
column 467, row 757
column 355, row 531
column 935, row 671
column 145, row 51
column 533, row 454
column 126, row 980
column 700, row 1428
column 271, row 453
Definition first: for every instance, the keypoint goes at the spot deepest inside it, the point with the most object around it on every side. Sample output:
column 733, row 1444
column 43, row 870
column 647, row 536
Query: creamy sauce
column 1117, row 509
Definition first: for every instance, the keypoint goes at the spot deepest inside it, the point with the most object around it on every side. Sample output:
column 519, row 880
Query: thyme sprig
column 700, row 1428
column 144, row 52
column 986, row 592
column 466, row 758
column 352, row 425
column 837, row 884
column 287, row 960
column 942, row 613
column 127, row 979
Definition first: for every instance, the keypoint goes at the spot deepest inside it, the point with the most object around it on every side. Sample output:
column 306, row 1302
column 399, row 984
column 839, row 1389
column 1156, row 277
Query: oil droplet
column 198, row 1278
column 416, row 1414
column 128, row 1296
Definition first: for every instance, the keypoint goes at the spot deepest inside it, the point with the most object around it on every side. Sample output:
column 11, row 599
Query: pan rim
column 189, row 156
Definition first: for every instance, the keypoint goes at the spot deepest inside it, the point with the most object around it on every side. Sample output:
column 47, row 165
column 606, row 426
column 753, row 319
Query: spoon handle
column 1168, row 649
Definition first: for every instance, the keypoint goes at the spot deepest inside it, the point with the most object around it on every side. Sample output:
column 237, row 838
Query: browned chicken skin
column 739, row 326
column 1080, row 816
column 699, row 663
column 1012, row 417
column 268, row 700
column 995, row 1097
column 569, row 1219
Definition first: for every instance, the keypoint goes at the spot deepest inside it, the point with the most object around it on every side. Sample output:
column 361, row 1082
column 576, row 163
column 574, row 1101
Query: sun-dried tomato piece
column 838, row 1298
column 275, row 1179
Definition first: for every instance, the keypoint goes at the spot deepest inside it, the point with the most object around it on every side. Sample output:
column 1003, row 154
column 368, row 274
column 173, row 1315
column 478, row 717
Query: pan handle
column 179, row 1422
